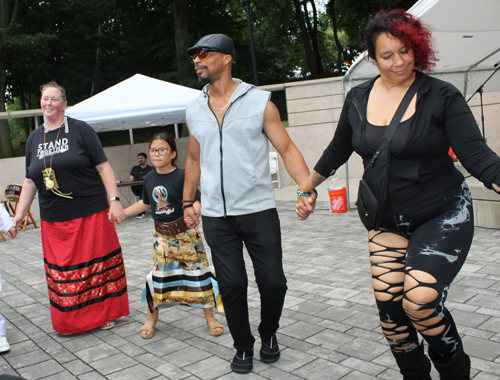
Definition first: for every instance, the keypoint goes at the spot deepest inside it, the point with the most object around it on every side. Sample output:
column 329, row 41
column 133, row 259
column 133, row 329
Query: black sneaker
column 242, row 362
column 270, row 351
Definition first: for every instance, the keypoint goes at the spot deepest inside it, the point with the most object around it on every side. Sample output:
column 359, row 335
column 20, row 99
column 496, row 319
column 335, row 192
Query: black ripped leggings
column 412, row 271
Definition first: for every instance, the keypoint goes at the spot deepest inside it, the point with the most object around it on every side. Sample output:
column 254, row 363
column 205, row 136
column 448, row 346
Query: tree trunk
column 340, row 50
column 179, row 10
column 6, row 145
column 305, row 39
column 313, row 32
column 24, row 108
column 7, row 148
column 97, row 58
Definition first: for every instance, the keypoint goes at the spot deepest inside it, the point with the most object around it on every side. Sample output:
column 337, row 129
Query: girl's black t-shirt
column 164, row 193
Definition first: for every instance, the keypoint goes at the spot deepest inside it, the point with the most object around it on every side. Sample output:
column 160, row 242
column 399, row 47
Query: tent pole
column 176, row 129
column 347, row 184
column 131, row 134
column 36, row 122
column 466, row 79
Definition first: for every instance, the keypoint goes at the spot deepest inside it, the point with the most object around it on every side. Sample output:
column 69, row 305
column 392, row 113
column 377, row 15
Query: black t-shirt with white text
column 164, row 193
column 73, row 157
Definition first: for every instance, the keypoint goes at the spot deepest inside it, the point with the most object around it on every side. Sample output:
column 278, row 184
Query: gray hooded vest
column 234, row 158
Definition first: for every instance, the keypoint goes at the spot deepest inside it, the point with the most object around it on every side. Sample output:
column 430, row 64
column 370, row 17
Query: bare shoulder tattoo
column 274, row 105
column 317, row 179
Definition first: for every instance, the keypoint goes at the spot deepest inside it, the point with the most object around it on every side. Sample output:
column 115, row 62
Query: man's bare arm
column 292, row 158
column 191, row 181
column 276, row 133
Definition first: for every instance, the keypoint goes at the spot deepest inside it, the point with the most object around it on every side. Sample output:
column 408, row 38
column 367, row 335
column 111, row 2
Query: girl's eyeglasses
column 161, row 151
column 202, row 53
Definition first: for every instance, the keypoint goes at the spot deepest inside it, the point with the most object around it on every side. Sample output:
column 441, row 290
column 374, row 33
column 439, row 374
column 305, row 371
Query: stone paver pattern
column 329, row 328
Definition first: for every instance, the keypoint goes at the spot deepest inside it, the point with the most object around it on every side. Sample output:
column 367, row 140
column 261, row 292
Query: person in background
column 230, row 125
column 138, row 173
column 7, row 226
column 427, row 223
column 85, row 272
column 181, row 273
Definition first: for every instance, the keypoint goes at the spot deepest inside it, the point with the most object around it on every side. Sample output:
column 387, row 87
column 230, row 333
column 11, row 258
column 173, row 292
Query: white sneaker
column 4, row 344
column 140, row 216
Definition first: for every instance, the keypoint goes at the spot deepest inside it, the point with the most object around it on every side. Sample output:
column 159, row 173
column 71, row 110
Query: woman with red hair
column 426, row 225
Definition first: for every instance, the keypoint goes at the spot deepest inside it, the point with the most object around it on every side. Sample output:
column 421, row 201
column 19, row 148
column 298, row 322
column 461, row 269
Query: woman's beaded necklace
column 49, row 174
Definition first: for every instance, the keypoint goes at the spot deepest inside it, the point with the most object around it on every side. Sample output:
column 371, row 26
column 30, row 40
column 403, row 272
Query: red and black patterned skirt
column 85, row 273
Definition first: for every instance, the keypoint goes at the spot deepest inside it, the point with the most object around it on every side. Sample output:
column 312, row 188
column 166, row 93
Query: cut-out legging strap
column 412, row 269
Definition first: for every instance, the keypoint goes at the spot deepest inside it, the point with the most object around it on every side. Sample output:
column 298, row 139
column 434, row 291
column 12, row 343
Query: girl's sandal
column 151, row 330
column 214, row 326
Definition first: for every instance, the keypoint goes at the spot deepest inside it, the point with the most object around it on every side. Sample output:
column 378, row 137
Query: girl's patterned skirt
column 181, row 273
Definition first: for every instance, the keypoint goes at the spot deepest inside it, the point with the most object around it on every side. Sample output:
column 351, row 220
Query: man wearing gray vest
column 230, row 125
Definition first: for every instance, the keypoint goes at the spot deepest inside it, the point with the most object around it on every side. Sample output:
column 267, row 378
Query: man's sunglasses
column 202, row 53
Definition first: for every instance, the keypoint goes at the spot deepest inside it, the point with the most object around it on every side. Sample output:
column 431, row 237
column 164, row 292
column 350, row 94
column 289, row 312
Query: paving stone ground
column 329, row 329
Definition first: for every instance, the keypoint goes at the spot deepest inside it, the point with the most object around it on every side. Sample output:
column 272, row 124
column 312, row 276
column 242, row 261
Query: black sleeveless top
column 374, row 134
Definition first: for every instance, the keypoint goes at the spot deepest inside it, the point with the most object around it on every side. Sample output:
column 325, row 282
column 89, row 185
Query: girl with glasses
column 181, row 274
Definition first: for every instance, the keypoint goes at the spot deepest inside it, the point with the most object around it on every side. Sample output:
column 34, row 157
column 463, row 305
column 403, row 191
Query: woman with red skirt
column 66, row 164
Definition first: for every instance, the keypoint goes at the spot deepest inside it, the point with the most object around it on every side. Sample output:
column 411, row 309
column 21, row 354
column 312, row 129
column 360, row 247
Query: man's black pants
column 261, row 234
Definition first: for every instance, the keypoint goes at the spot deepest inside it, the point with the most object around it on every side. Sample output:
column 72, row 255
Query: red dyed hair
column 413, row 33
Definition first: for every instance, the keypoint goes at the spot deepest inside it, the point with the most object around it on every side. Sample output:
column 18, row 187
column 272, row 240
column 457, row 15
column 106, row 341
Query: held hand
column 305, row 206
column 18, row 220
column 12, row 233
column 116, row 212
column 191, row 217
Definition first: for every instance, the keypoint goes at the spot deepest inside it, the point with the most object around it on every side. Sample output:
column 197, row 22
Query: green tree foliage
column 9, row 11
column 89, row 45
column 278, row 48
column 350, row 16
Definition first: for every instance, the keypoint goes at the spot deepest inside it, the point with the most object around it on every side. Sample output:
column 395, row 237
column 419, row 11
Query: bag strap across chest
column 396, row 119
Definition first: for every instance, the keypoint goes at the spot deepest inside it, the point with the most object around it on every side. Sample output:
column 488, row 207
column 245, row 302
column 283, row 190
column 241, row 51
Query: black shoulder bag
column 373, row 186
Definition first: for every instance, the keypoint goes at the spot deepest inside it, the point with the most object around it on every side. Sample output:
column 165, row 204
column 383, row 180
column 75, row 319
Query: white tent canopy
column 137, row 102
column 467, row 42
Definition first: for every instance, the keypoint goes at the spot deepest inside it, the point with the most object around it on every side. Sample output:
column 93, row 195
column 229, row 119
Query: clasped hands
column 191, row 217
column 116, row 213
column 12, row 233
column 305, row 205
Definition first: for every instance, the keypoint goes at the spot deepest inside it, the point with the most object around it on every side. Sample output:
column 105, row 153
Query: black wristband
column 188, row 201
column 187, row 206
